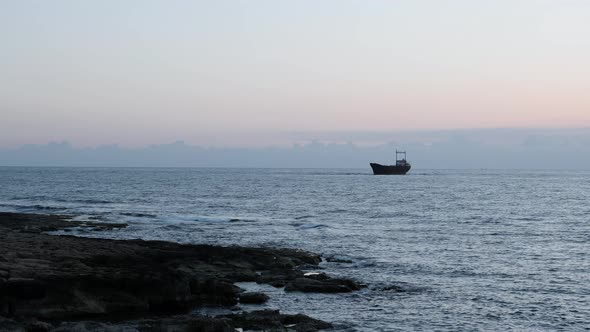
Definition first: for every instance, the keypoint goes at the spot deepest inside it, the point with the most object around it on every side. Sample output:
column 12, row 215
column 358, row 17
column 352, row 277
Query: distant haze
column 259, row 74
column 454, row 149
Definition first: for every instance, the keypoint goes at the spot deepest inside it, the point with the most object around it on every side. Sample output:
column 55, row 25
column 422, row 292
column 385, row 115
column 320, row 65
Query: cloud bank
column 451, row 149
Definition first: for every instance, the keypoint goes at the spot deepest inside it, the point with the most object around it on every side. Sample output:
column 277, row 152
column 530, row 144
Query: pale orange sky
column 231, row 72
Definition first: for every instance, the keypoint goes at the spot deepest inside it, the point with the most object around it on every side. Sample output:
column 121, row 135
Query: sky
column 264, row 73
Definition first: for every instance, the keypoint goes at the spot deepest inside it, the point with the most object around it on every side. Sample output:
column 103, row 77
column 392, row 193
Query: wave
column 176, row 219
column 529, row 219
column 92, row 201
column 303, row 217
column 139, row 215
column 311, row 226
column 341, row 259
column 339, row 174
column 399, row 287
column 60, row 200
column 50, row 208
column 337, row 211
column 216, row 219
column 35, row 207
column 241, row 220
column 177, row 227
column 34, row 197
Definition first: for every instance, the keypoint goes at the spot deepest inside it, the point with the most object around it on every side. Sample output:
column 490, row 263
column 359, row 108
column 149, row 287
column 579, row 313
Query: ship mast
column 400, row 153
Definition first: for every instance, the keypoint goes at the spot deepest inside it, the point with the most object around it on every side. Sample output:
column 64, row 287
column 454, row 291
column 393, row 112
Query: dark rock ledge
column 46, row 279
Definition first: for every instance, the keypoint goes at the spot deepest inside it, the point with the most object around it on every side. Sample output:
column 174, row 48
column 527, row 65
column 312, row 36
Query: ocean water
column 445, row 250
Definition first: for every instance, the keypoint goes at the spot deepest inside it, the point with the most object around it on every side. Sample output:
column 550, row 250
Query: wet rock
column 263, row 320
column 243, row 276
column 27, row 289
column 253, row 298
column 322, row 284
column 188, row 323
column 275, row 321
column 38, row 223
column 10, row 325
column 91, row 326
column 59, row 278
column 278, row 278
column 212, row 291
column 316, row 276
column 37, row 326
column 309, row 267
column 206, row 324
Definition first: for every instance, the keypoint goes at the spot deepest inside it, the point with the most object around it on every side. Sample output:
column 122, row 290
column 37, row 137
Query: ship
column 401, row 167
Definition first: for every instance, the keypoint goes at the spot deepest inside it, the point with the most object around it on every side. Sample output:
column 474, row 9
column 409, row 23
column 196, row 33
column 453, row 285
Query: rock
column 10, row 325
column 212, row 291
column 37, row 326
column 89, row 326
column 24, row 288
column 309, row 267
column 273, row 320
column 60, row 278
column 322, row 284
column 304, row 323
column 37, row 223
column 243, row 276
column 278, row 278
column 263, row 320
column 253, row 298
column 207, row 324
column 4, row 275
column 316, row 276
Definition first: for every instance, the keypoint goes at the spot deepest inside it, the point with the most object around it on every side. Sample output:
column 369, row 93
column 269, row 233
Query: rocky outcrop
column 309, row 285
column 55, row 278
column 253, row 298
column 272, row 319
column 261, row 320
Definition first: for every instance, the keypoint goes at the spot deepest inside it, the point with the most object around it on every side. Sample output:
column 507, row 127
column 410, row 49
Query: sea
column 439, row 250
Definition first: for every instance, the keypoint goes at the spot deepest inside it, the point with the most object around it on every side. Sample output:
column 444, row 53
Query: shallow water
column 440, row 250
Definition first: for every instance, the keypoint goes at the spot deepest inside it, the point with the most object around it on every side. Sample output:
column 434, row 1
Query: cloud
column 452, row 149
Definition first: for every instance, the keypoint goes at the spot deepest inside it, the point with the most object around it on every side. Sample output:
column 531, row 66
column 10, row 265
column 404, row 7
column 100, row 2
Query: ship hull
column 379, row 169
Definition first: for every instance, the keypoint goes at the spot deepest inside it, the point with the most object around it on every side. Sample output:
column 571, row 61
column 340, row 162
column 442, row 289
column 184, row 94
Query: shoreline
column 46, row 280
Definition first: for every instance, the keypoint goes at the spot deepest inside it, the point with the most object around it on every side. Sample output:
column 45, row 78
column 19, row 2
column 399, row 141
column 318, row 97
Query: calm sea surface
column 440, row 250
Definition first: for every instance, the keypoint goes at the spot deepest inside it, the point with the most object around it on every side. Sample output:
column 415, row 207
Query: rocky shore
column 97, row 284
